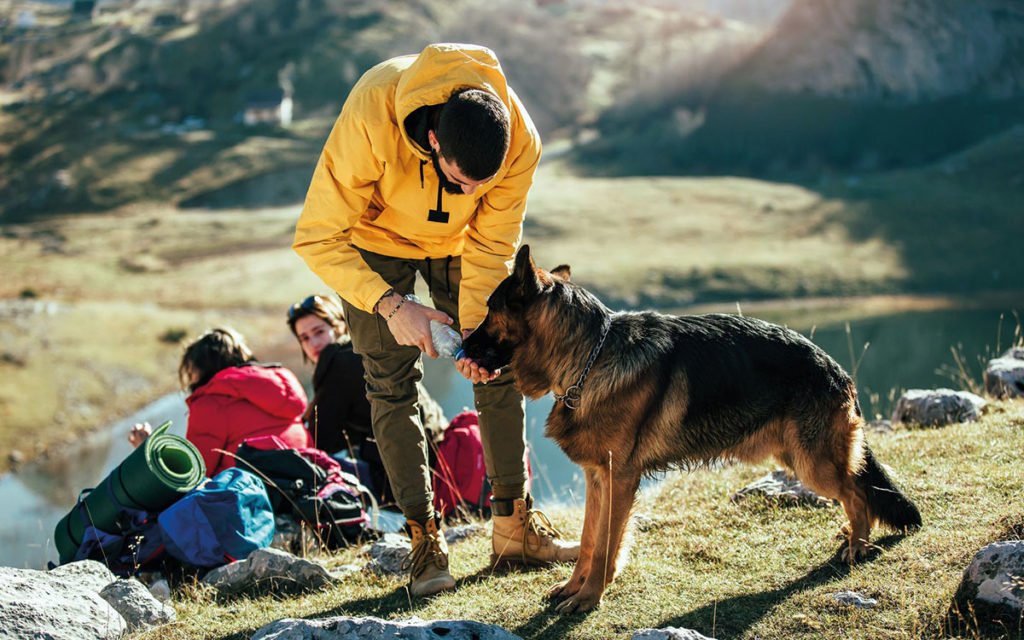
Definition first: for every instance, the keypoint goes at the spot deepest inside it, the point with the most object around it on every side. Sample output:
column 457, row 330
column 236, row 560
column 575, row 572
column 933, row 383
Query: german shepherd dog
column 639, row 392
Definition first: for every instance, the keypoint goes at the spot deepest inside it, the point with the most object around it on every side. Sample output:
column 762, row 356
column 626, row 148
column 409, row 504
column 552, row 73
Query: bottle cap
column 460, row 354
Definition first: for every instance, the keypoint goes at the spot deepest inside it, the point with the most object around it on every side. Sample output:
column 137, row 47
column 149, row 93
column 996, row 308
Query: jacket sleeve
column 206, row 432
column 339, row 194
column 495, row 232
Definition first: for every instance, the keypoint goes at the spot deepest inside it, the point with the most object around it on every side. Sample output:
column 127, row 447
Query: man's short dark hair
column 473, row 131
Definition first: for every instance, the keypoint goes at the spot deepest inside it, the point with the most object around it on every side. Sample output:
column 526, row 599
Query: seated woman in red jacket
column 233, row 398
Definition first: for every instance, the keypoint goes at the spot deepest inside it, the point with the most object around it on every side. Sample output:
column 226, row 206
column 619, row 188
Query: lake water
column 906, row 350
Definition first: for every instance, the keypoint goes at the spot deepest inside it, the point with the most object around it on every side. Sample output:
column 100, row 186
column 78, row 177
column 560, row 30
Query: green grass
column 729, row 570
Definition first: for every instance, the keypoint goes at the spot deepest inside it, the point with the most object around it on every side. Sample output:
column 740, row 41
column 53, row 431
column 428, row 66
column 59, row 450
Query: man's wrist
column 387, row 303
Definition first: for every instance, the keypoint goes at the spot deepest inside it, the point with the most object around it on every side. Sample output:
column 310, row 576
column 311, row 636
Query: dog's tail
column 886, row 502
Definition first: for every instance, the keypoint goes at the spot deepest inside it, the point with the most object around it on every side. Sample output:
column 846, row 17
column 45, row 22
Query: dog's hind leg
column 831, row 468
column 619, row 492
column 591, row 513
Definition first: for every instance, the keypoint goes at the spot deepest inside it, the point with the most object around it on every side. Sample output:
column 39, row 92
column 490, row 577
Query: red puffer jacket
column 245, row 402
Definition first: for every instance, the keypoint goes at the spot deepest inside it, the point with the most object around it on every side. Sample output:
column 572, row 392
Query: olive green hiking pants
column 392, row 371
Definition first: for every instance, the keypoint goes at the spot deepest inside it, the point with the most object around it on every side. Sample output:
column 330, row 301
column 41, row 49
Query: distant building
column 268, row 107
column 83, row 9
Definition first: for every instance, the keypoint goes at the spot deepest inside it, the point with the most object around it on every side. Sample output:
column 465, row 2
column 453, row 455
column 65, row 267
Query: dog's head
column 516, row 304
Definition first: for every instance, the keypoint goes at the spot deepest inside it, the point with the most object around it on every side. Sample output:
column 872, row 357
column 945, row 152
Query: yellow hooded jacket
column 374, row 187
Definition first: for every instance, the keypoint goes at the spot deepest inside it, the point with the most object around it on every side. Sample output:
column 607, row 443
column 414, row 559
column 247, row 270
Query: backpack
column 310, row 486
column 459, row 473
column 221, row 521
column 136, row 545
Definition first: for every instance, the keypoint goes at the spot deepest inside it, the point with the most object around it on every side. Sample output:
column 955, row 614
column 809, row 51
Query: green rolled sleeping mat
column 153, row 477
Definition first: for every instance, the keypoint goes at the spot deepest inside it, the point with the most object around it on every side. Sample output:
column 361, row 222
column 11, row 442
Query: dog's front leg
column 592, row 509
column 618, row 493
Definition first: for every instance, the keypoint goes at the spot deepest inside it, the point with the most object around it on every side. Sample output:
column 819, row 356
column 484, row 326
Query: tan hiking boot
column 428, row 561
column 524, row 535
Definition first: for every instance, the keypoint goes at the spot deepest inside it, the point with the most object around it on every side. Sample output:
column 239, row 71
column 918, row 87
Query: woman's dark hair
column 322, row 307
column 211, row 353
column 473, row 131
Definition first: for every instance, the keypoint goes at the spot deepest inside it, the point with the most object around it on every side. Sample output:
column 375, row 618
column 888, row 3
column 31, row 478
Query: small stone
column 855, row 599
column 782, row 488
column 136, row 604
column 668, row 633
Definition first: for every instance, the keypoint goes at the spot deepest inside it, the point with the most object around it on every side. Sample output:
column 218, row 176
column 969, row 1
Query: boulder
column 60, row 605
column 1004, row 376
column 346, row 628
column 994, row 582
column 783, row 488
column 668, row 633
column 136, row 604
column 937, row 407
column 90, row 574
column 273, row 568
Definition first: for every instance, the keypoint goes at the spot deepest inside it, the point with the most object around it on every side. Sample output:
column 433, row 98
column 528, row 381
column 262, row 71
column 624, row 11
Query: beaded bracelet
column 395, row 310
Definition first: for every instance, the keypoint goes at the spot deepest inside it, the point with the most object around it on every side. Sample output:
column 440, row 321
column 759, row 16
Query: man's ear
column 563, row 271
column 525, row 271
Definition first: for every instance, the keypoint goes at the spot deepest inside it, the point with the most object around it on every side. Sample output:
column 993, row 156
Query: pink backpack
column 459, row 475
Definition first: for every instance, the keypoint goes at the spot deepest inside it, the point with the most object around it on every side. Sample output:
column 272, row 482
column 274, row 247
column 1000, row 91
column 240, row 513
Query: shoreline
column 833, row 310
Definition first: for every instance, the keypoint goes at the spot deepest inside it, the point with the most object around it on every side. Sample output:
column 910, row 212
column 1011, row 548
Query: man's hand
column 471, row 370
column 140, row 431
column 410, row 325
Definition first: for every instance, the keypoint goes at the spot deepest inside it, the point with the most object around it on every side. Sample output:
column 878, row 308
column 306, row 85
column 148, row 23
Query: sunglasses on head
column 308, row 305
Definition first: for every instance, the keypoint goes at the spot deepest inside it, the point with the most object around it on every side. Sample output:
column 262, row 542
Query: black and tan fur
column 670, row 391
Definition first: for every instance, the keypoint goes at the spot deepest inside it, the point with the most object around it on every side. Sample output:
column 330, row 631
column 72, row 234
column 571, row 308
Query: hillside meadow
column 730, row 570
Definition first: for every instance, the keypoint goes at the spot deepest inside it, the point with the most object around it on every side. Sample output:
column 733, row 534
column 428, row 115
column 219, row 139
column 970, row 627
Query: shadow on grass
column 731, row 617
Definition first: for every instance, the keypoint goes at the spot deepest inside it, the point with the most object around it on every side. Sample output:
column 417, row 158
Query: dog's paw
column 854, row 552
column 565, row 589
column 583, row 600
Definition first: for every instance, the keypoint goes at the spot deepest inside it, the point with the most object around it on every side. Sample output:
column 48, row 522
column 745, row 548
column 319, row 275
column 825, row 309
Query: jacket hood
column 274, row 389
column 441, row 69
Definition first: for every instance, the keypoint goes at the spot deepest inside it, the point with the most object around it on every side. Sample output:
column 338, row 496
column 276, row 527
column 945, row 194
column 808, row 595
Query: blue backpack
column 219, row 522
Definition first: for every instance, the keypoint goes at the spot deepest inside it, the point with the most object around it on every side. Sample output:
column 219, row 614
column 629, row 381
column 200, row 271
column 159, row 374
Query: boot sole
column 517, row 561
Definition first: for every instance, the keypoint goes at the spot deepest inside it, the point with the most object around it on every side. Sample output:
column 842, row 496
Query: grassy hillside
column 728, row 570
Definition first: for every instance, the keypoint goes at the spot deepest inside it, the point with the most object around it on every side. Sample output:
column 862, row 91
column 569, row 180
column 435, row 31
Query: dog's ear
column 525, row 271
column 563, row 271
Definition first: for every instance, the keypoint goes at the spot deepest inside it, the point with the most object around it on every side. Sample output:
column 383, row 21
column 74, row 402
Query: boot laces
column 427, row 552
column 538, row 524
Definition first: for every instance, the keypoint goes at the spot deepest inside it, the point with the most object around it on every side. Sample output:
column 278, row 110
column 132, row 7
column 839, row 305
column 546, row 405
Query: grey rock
column 782, row 488
column 994, row 581
column 56, row 605
column 136, row 604
column 855, row 599
column 463, row 532
column 346, row 628
column 388, row 554
column 87, row 573
column 668, row 633
column 160, row 590
column 273, row 568
column 1004, row 376
column 879, row 426
column 937, row 407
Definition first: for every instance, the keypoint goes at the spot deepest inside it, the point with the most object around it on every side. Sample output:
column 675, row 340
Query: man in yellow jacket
column 427, row 171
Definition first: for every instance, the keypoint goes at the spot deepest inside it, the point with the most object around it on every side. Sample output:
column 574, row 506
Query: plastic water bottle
column 447, row 341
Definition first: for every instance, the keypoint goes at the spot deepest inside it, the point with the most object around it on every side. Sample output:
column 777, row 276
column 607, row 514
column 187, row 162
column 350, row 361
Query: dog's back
column 720, row 380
